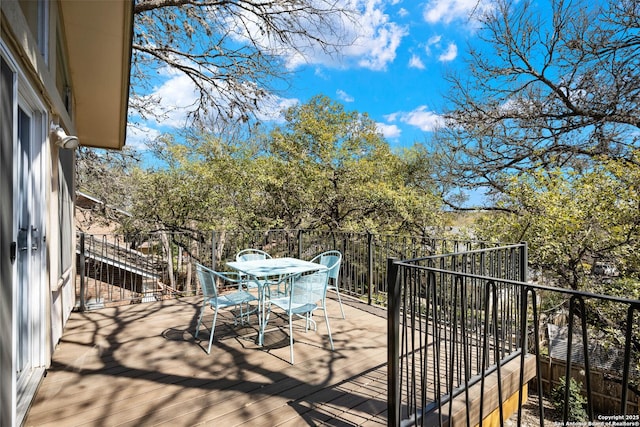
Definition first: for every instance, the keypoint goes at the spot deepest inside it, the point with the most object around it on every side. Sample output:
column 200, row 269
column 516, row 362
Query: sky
column 394, row 71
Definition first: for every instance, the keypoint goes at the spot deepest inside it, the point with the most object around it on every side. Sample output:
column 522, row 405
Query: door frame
column 25, row 97
column 35, row 258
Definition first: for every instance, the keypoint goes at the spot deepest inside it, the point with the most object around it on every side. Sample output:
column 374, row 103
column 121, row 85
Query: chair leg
column 309, row 320
column 263, row 319
column 291, row 336
column 249, row 311
column 213, row 328
column 340, row 301
column 204, row 306
column 235, row 318
column 326, row 319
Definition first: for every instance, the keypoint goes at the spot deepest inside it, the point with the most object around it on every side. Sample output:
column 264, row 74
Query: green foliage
column 324, row 168
column 334, row 165
column 547, row 125
column 577, row 413
column 569, row 216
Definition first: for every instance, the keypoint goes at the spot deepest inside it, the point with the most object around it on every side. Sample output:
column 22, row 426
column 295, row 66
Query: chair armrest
column 229, row 277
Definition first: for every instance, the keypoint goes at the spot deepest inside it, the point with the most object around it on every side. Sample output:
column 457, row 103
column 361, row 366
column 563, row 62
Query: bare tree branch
column 233, row 51
column 559, row 93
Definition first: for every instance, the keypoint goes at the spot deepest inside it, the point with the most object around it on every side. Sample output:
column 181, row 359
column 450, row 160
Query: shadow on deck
column 141, row 365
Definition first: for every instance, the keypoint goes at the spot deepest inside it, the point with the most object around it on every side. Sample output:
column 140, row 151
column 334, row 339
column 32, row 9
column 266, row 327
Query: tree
column 325, row 168
column 552, row 90
column 336, row 171
column 233, row 53
column 571, row 219
column 207, row 183
column 231, row 50
column 546, row 120
column 576, row 411
column 422, row 212
column 106, row 175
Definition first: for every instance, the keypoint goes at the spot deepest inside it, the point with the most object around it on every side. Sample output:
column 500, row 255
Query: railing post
column 524, row 263
column 213, row 250
column 524, row 277
column 627, row 359
column 83, row 272
column 370, row 267
column 300, row 243
column 393, row 344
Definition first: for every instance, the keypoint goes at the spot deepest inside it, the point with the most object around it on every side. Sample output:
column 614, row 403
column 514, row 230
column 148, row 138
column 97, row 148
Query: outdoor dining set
column 261, row 283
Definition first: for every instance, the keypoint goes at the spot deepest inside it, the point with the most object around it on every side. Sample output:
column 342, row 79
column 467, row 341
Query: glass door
column 24, row 255
column 30, row 280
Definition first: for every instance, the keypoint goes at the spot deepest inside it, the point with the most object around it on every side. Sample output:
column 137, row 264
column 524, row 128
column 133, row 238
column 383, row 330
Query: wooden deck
column 141, row 365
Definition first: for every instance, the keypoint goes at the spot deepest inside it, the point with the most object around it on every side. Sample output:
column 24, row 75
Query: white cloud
column 388, row 131
column 421, row 118
column 447, row 11
column 365, row 37
column 450, row 54
column 368, row 39
column 344, row 96
column 403, row 12
column 177, row 97
column 319, row 72
column 139, row 136
column 271, row 109
column 416, row 62
column 434, row 40
column 376, row 38
column 435, row 44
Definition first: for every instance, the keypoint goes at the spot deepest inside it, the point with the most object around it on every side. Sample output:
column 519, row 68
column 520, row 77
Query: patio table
column 264, row 271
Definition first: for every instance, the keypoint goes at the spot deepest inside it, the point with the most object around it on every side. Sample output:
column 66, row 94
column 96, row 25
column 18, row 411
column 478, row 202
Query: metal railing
column 457, row 319
column 458, row 311
column 123, row 269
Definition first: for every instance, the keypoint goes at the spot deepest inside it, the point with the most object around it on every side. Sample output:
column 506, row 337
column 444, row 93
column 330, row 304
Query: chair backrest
column 207, row 281
column 251, row 254
column 332, row 260
column 309, row 288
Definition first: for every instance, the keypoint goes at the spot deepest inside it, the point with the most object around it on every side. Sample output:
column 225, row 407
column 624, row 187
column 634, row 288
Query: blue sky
column 393, row 71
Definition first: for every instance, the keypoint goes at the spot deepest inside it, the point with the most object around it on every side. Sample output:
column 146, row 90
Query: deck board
column 141, row 365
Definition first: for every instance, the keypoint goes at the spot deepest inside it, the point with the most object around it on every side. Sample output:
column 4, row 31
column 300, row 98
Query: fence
column 455, row 320
column 124, row 269
column 459, row 311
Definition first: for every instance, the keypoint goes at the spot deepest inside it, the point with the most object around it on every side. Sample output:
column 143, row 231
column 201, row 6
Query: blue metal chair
column 332, row 260
column 304, row 293
column 237, row 299
column 252, row 254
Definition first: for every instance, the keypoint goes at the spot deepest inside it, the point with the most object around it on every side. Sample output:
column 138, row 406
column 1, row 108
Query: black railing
column 460, row 314
column 121, row 269
column 464, row 333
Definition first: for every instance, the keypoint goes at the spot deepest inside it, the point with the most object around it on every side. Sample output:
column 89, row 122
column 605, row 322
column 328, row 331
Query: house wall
column 31, row 69
column 6, row 214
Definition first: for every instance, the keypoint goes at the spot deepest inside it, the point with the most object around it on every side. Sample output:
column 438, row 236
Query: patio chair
column 252, row 254
column 332, row 260
column 304, row 293
column 238, row 299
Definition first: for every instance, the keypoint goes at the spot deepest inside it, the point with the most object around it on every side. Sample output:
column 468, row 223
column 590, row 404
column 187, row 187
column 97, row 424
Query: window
column 65, row 206
column 37, row 15
column 62, row 76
